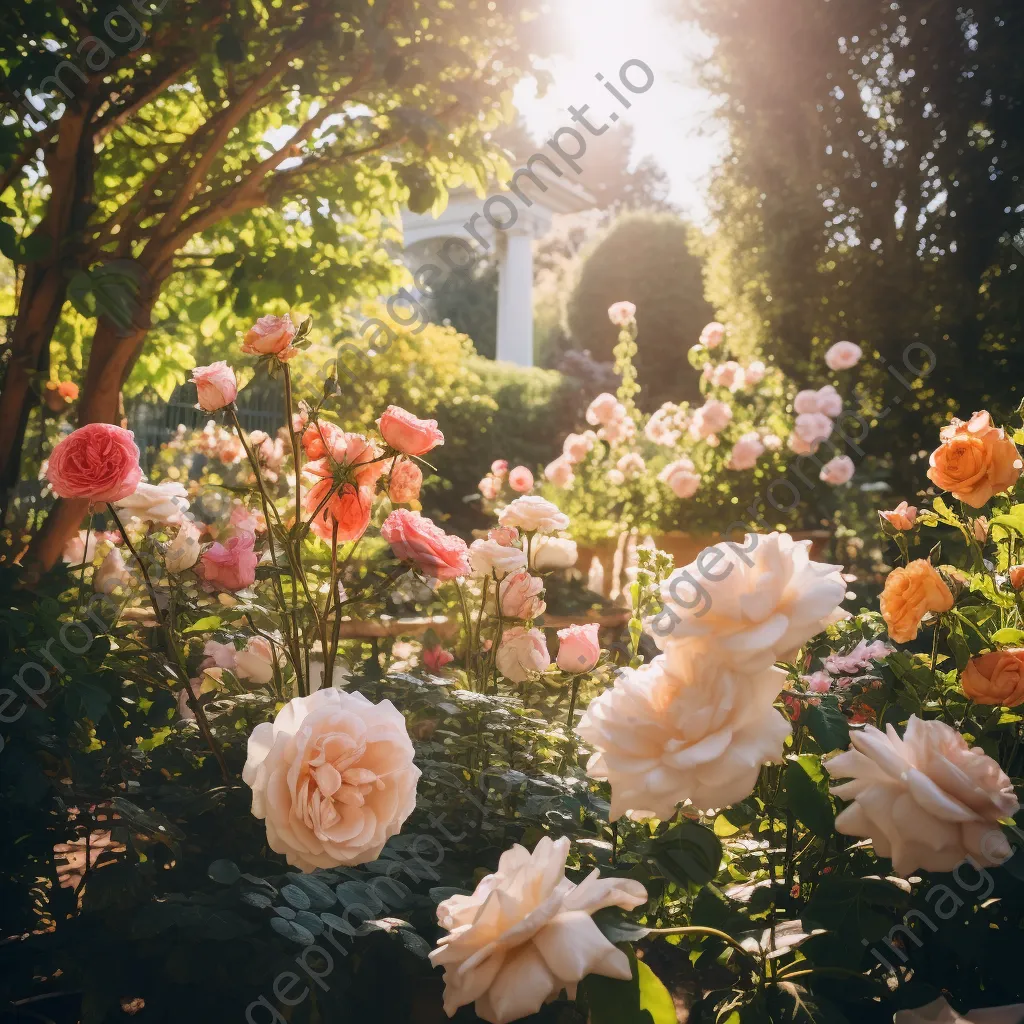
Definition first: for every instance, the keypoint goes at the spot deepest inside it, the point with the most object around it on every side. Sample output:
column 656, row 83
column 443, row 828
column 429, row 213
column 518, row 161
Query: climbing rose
column 621, row 313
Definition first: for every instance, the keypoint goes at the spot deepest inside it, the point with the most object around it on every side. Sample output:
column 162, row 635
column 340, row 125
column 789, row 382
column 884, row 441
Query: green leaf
column 641, row 1000
column 205, row 624
column 654, row 997
column 858, row 908
column 1008, row 635
column 226, row 872
column 807, row 792
column 295, row 897
column 616, row 928
column 687, row 853
column 828, row 725
column 292, row 930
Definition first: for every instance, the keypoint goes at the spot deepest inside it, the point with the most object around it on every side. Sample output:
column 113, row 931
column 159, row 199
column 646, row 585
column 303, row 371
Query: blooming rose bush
column 313, row 722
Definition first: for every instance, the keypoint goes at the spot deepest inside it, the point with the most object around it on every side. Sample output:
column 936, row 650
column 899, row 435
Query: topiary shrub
column 645, row 258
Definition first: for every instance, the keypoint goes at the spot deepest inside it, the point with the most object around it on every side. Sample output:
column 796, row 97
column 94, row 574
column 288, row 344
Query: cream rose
column 255, row 662
column 940, row 1012
column 553, row 553
column 162, row 504
column 531, row 513
column 526, row 933
column 700, row 736
column 490, row 556
column 754, row 603
column 333, row 778
column 927, row 800
column 183, row 552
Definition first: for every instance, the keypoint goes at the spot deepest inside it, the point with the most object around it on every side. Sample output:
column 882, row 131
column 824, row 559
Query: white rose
column 162, row 504
column 530, row 513
column 526, row 933
column 754, row 603
column 183, row 552
column 333, row 777
column 255, row 662
column 940, row 1012
column 553, row 553
column 487, row 556
column 80, row 548
column 926, row 801
column 111, row 574
column 701, row 736
column 521, row 653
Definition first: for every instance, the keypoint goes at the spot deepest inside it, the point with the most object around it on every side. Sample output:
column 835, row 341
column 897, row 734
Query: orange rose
column 902, row 517
column 1016, row 573
column 909, row 594
column 975, row 460
column 996, row 678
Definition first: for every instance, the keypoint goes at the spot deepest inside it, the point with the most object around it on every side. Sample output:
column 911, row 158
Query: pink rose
column 578, row 648
column 746, row 451
column 576, row 447
column 230, row 566
column 818, row 682
column 902, row 517
column 490, row 487
column 414, row 538
column 320, row 437
column 621, row 429
column 605, row 409
column 755, row 372
column 813, row 427
column 830, row 402
column 713, row 335
column 519, row 594
column 216, row 385
column 728, row 375
column 842, row 355
column 246, row 520
column 711, row 418
column 680, row 478
column 506, row 536
column 621, row 313
column 521, row 653
column 407, row 434
column 801, row 447
column 98, row 462
column 631, row 465
column 499, row 467
column 405, row 481
column 76, row 550
column 435, row 658
column 837, row 471
column 521, row 480
column 560, row 472
column 271, row 336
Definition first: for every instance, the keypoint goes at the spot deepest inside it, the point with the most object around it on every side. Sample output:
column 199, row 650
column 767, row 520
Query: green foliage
column 646, row 259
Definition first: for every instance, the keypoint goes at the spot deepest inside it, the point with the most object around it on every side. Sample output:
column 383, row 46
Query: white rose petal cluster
column 701, row 735
column 697, row 723
column 526, row 933
column 333, row 777
column 531, row 513
column 489, row 556
column 753, row 603
column 162, row 504
column 927, row 801
column 553, row 553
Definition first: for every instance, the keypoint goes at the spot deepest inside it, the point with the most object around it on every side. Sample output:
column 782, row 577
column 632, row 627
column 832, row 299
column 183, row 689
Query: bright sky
column 672, row 120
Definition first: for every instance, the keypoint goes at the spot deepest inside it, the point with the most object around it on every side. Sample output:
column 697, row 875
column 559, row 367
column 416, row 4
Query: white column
column 515, row 299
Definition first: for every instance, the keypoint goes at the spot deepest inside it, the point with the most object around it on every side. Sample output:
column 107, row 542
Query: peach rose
column 404, row 482
column 910, row 593
column 504, row 535
column 348, row 507
column 621, row 313
column 560, row 472
column 519, row 594
column 902, row 517
column 320, row 437
column 183, row 552
column 813, row 427
column 843, row 355
column 111, row 574
column 98, row 462
column 926, row 800
column 68, row 390
column 82, row 547
column 980, row 529
column 229, row 566
column 1016, row 574
column 414, row 538
column 754, row 373
column 216, row 386
column 520, row 480
column 255, row 662
column 271, row 336
column 578, row 648
column 521, row 653
column 333, row 777
column 996, row 678
column 975, row 460
column 407, row 434
column 526, row 933
column 358, row 455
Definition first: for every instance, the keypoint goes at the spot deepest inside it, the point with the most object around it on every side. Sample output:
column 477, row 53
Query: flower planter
column 613, row 554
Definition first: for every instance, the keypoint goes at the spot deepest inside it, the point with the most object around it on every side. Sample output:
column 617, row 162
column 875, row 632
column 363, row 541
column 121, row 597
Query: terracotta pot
column 613, row 554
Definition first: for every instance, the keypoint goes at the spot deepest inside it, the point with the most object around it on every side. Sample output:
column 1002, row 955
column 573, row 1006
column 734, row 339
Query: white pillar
column 515, row 299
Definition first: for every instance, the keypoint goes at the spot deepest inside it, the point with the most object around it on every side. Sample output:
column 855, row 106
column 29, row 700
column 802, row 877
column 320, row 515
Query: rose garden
column 349, row 674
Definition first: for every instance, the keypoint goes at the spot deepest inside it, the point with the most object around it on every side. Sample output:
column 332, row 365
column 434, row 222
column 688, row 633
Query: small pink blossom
column 842, row 355
column 506, row 536
column 621, row 313
column 520, row 480
column 712, row 335
column 435, row 658
column 605, row 409
column 229, row 566
column 560, row 472
column 216, row 386
column 499, row 467
column 838, row 471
